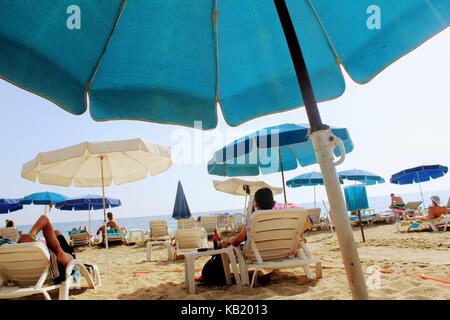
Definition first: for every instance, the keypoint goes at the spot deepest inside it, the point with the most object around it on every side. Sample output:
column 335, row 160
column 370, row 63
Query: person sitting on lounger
column 111, row 223
column 396, row 202
column 9, row 223
column 263, row 201
column 55, row 242
column 435, row 210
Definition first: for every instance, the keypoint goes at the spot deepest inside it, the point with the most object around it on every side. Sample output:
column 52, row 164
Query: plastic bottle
column 216, row 240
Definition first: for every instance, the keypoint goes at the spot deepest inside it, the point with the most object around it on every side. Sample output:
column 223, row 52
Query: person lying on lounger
column 55, row 242
column 435, row 210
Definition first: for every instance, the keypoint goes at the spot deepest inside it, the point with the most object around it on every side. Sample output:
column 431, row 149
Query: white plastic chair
column 24, row 270
column 275, row 242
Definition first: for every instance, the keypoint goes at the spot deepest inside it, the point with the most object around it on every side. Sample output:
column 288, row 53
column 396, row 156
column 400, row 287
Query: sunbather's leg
column 44, row 225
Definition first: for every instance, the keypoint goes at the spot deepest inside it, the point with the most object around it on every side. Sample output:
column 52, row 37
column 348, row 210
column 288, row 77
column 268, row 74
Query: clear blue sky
column 399, row 120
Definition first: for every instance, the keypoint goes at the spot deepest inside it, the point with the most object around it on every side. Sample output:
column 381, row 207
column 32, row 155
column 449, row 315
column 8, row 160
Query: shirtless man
column 110, row 223
column 396, row 202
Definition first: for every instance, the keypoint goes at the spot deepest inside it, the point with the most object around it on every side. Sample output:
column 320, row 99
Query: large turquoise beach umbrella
column 173, row 62
column 47, row 199
column 275, row 149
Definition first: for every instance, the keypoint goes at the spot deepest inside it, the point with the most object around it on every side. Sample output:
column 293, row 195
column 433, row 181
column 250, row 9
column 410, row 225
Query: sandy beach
column 401, row 258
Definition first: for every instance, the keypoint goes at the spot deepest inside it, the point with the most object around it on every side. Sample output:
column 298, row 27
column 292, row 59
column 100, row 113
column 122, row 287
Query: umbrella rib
column 88, row 84
column 316, row 15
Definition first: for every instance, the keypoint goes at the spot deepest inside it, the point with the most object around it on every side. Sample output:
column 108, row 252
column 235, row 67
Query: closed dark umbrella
column 181, row 208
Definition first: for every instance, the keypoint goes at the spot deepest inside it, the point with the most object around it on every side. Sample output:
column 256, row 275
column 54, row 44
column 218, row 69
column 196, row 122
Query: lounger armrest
column 84, row 272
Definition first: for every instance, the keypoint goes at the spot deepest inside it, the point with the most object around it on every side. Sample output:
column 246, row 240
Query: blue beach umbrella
column 310, row 179
column 181, row 207
column 274, row 149
column 419, row 174
column 87, row 203
column 10, row 205
column 366, row 177
column 43, row 198
column 145, row 60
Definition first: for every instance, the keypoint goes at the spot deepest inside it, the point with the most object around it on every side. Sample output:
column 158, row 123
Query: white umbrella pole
column 282, row 175
column 89, row 222
column 323, row 146
column 105, row 234
column 315, row 204
column 421, row 193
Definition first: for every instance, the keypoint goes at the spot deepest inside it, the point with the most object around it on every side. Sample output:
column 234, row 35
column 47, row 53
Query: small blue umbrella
column 88, row 202
column 10, row 205
column 43, row 198
column 181, row 207
column 419, row 174
column 307, row 180
column 274, row 149
column 362, row 176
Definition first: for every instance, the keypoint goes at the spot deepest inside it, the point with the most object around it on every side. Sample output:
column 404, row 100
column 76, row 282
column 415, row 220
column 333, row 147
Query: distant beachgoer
column 111, row 223
column 199, row 218
column 55, row 241
column 435, row 210
column 9, row 223
column 397, row 202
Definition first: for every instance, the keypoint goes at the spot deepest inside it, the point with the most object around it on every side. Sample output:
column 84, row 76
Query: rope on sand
column 424, row 277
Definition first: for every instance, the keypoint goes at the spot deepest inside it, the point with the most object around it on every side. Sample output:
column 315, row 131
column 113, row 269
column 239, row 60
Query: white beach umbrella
column 243, row 186
column 99, row 164
column 238, row 186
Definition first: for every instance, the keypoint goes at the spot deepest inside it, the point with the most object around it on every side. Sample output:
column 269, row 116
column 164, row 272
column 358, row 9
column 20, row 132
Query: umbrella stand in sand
column 95, row 164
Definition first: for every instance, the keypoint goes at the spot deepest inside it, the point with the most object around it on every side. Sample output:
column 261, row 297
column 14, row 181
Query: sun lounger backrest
column 9, row 233
column 23, row 263
column 208, row 223
column 238, row 220
column 314, row 213
column 185, row 223
column 276, row 233
column 158, row 229
column 413, row 205
column 190, row 238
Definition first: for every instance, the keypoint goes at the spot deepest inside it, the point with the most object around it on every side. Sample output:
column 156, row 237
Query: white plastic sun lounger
column 276, row 243
column 188, row 240
column 209, row 223
column 24, row 271
column 10, row 233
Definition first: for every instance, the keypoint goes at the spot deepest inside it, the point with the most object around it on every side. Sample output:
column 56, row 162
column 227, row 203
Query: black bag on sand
column 213, row 272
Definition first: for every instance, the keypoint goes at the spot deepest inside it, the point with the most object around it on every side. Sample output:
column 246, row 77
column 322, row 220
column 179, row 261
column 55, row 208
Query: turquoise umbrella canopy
column 362, row 176
column 44, row 198
column 171, row 61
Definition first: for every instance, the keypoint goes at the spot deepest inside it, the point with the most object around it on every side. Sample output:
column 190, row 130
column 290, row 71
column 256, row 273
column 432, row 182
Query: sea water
column 378, row 203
